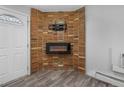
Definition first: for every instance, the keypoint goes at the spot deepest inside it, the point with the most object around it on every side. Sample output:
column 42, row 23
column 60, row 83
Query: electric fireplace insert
column 58, row 48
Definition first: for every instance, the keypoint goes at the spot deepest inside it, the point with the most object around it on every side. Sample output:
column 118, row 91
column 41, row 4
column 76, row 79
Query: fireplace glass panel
column 58, row 48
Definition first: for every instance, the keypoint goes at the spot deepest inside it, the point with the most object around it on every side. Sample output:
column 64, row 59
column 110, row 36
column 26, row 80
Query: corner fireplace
column 58, row 48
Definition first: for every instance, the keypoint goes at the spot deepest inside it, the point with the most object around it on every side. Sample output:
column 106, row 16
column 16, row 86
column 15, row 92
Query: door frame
column 28, row 35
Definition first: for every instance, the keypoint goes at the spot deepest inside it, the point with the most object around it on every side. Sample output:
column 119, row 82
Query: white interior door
column 13, row 48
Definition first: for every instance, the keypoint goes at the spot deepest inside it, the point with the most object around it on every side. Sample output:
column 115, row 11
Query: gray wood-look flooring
column 58, row 78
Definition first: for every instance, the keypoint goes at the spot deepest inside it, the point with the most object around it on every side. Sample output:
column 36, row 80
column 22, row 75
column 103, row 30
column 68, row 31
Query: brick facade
column 40, row 35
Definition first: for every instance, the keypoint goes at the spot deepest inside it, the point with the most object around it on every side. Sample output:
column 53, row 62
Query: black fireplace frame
column 58, row 44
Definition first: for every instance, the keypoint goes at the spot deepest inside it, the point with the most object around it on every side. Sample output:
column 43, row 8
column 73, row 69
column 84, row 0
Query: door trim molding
column 28, row 46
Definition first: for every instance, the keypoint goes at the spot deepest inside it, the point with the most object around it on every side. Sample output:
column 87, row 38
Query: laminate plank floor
column 60, row 78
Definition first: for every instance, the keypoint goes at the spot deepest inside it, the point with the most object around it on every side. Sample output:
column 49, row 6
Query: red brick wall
column 40, row 35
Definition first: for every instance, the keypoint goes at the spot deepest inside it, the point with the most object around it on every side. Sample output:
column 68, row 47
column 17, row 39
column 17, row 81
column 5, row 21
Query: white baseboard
column 109, row 79
column 118, row 69
column 92, row 73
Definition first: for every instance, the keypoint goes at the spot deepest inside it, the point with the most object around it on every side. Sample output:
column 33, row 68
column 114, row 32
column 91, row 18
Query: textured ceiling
column 44, row 8
column 52, row 8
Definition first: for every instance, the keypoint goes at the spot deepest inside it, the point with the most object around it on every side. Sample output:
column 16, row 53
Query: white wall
column 104, row 38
